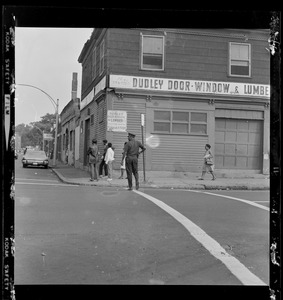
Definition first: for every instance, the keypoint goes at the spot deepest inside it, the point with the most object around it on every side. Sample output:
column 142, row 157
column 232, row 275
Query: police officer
column 131, row 151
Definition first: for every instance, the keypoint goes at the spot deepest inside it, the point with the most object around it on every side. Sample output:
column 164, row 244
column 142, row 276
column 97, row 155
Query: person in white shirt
column 109, row 158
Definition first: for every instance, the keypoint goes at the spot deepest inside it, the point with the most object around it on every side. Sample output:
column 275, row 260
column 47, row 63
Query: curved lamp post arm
column 50, row 98
column 56, row 106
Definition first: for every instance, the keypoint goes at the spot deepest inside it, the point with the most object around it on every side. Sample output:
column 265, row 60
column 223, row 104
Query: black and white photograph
column 142, row 155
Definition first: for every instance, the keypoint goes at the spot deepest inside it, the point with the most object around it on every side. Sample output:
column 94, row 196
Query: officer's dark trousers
column 132, row 168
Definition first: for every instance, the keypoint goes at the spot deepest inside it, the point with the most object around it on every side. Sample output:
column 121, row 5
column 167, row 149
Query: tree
column 22, row 129
column 31, row 135
column 47, row 122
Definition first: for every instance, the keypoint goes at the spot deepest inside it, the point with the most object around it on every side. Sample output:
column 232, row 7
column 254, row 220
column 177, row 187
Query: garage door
column 238, row 144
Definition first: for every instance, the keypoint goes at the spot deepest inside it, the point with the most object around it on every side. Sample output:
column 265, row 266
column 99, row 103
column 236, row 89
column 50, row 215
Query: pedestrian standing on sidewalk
column 93, row 160
column 109, row 158
column 208, row 164
column 131, row 152
column 123, row 165
column 102, row 165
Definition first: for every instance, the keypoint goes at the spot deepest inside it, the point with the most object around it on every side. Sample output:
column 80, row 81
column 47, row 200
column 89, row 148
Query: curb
column 179, row 186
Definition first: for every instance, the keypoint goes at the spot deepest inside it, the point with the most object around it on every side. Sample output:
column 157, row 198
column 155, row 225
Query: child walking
column 123, row 165
column 208, row 164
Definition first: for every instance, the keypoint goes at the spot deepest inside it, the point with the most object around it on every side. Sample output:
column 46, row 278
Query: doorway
column 87, row 140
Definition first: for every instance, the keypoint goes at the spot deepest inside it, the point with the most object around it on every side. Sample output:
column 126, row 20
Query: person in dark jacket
column 131, row 152
column 93, row 159
column 102, row 163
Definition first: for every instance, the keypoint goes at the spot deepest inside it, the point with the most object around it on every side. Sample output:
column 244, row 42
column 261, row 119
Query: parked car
column 35, row 158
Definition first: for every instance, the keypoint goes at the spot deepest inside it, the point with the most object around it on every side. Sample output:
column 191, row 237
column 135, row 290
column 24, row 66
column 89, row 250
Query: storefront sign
column 86, row 100
column 100, row 86
column 190, row 86
column 48, row 136
column 90, row 96
column 116, row 120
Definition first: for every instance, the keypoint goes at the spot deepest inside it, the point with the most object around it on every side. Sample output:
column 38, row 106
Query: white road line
column 233, row 265
column 28, row 179
column 50, row 184
column 263, row 201
column 234, row 198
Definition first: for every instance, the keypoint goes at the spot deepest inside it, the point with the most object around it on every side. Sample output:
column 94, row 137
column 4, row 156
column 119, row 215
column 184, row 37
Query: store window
column 82, row 126
column 152, row 53
column 240, row 59
column 180, row 122
column 71, row 140
column 101, row 55
column 100, row 114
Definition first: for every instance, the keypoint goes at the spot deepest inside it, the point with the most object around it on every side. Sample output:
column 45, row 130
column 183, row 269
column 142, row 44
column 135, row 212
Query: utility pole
column 56, row 133
column 142, row 125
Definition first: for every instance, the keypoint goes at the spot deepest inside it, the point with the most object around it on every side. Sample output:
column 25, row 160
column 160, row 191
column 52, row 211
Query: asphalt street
column 71, row 234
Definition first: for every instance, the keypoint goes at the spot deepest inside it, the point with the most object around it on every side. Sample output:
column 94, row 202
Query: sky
column 46, row 58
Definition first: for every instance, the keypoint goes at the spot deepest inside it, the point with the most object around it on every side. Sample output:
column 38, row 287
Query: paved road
column 68, row 234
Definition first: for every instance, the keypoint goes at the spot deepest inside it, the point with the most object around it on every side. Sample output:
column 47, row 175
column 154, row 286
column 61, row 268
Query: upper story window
column 101, row 113
column 101, row 56
column 152, row 52
column 240, row 60
column 93, row 64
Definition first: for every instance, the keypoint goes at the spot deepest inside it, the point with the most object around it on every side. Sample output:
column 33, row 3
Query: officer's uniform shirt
column 132, row 148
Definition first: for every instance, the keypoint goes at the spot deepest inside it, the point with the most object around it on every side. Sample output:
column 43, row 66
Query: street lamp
column 56, row 106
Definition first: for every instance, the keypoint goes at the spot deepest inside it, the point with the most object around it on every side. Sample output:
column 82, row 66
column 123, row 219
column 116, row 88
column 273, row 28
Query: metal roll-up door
column 179, row 153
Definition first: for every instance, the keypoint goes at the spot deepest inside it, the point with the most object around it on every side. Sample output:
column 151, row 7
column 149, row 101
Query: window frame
column 100, row 114
column 101, row 57
column 141, row 52
column 93, row 70
column 71, row 140
column 249, row 60
column 188, row 123
column 82, row 126
column 92, row 119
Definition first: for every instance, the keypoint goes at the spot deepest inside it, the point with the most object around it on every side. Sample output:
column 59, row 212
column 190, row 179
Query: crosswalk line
column 233, row 265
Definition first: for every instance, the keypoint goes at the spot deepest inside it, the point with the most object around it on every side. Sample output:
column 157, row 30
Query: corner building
column 193, row 86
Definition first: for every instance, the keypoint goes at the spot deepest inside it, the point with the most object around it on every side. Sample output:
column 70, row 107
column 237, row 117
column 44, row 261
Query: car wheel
column 24, row 166
column 46, row 167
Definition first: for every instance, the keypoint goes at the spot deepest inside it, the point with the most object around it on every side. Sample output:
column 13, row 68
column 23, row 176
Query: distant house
column 69, row 122
column 193, row 86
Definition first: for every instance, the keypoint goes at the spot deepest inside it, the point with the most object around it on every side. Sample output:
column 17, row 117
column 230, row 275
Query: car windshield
column 35, row 154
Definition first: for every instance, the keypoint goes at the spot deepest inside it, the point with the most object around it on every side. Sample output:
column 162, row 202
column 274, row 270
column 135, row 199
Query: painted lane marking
column 50, row 184
column 263, row 201
column 28, row 179
column 234, row 198
column 233, row 265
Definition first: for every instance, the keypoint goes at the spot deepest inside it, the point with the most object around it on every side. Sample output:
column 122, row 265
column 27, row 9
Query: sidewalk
column 170, row 180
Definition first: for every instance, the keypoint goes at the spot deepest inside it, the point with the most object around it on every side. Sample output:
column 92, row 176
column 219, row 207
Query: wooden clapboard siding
column 179, row 153
column 188, row 56
column 101, row 126
column 134, row 109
